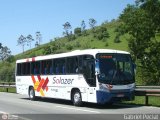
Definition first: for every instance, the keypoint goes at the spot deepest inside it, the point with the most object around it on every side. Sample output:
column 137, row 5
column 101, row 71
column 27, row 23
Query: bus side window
column 45, row 71
column 80, row 64
column 85, row 70
column 47, row 68
column 54, row 67
column 33, row 68
column 19, row 69
column 50, row 67
column 57, row 69
column 28, row 72
column 35, row 71
column 71, row 65
column 42, row 67
column 51, row 70
column 76, row 69
column 36, row 68
column 63, row 69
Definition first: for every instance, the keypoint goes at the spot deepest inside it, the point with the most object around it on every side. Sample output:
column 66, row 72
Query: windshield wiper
column 114, row 75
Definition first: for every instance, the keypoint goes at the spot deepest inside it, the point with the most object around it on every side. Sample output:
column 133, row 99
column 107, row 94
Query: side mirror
column 102, row 76
column 97, row 70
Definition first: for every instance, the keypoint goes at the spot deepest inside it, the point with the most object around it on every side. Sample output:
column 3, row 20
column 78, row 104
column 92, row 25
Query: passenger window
column 18, row 69
column 72, row 65
column 46, row 66
column 59, row 66
column 35, row 66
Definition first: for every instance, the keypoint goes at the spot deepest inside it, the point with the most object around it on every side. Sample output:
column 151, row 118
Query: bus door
column 90, row 77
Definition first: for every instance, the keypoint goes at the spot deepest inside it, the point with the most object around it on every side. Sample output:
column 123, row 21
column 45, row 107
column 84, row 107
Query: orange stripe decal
column 33, row 79
column 40, row 85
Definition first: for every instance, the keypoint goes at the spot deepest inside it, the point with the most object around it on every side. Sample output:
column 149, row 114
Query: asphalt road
column 15, row 106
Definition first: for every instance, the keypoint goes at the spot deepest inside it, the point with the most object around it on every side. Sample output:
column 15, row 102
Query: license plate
column 120, row 95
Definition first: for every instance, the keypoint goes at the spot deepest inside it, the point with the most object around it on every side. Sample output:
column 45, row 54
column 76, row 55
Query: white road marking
column 2, row 112
column 91, row 111
column 64, row 107
column 152, row 107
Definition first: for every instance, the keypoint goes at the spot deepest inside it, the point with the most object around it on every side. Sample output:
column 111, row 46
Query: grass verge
column 11, row 90
column 140, row 100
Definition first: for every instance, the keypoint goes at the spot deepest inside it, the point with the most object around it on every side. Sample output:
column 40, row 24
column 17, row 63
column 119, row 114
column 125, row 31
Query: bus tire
column 77, row 98
column 32, row 93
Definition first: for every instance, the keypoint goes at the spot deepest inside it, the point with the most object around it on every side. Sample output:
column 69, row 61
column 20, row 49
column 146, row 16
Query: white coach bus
column 93, row 75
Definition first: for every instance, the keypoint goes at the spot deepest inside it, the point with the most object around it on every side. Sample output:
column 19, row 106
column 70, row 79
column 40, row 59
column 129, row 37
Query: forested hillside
column 137, row 30
column 103, row 36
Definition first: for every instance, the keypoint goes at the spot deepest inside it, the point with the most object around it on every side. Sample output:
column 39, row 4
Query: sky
column 24, row 17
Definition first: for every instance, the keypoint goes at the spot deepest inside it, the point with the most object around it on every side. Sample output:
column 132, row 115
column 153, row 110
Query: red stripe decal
column 46, row 88
column 33, row 59
column 39, row 78
column 45, row 83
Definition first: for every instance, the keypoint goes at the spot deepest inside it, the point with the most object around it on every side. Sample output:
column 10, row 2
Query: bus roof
column 72, row 53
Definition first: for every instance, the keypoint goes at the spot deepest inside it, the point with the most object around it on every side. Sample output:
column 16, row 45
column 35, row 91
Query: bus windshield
column 115, row 69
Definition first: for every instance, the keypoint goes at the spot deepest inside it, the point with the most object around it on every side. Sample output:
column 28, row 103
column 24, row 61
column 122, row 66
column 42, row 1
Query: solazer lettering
column 62, row 80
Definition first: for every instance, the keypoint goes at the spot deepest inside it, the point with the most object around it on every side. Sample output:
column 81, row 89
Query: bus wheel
column 32, row 94
column 76, row 98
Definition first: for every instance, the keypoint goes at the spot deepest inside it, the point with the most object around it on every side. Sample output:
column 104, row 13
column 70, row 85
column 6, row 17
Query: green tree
column 5, row 52
column 77, row 31
column 53, row 47
column 102, row 33
column 142, row 23
column 67, row 27
column 11, row 59
column 92, row 23
column 22, row 41
column 46, row 50
column 69, row 47
column 7, row 72
column 117, row 39
column 38, row 38
column 83, row 25
column 83, row 28
column 68, row 33
column 36, row 44
column 29, row 40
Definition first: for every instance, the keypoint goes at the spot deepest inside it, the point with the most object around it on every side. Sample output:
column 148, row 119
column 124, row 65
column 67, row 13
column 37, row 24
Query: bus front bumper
column 114, row 96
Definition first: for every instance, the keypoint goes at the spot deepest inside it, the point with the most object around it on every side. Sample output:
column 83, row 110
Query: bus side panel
column 60, row 86
column 92, row 96
column 22, row 84
column 56, row 86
